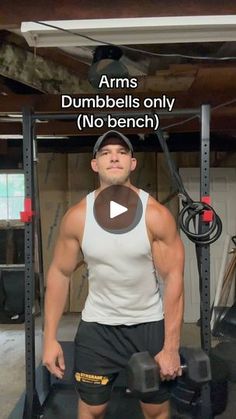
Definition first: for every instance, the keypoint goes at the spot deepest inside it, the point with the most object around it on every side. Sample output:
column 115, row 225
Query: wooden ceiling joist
column 38, row 72
column 88, row 9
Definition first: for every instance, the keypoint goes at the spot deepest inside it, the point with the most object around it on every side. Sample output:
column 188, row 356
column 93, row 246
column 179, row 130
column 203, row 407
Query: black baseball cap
column 110, row 134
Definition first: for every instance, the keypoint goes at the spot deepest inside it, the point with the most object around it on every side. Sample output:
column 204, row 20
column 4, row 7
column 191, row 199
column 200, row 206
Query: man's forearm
column 55, row 300
column 173, row 312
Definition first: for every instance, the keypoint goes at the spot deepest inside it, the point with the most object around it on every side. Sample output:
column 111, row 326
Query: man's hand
column 53, row 358
column 169, row 364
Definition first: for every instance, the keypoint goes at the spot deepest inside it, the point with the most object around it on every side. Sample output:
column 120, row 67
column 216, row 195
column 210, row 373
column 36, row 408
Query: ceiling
column 36, row 77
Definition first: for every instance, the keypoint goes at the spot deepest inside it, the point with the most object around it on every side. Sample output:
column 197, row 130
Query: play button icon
column 118, row 209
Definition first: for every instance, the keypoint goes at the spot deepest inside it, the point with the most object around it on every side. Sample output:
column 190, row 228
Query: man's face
column 113, row 163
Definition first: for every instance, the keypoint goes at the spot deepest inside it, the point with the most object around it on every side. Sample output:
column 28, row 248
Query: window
column 12, row 192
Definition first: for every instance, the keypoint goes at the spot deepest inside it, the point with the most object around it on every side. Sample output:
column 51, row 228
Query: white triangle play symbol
column 116, row 209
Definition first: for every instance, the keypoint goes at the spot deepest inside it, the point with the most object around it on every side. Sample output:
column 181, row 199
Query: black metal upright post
column 32, row 407
column 38, row 231
column 46, row 382
column 204, row 253
column 204, row 226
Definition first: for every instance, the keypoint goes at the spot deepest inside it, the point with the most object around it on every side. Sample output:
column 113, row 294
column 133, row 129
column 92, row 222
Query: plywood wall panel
column 81, row 181
column 144, row 176
column 78, row 289
column 81, row 178
column 165, row 187
column 52, row 179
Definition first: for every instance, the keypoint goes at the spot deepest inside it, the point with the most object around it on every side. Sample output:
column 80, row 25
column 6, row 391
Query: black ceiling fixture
column 106, row 61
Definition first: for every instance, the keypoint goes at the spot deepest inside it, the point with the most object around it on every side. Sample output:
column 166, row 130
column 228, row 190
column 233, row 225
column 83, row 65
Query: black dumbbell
column 143, row 373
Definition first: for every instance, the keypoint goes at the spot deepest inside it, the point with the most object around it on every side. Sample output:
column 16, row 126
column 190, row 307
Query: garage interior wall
column 64, row 179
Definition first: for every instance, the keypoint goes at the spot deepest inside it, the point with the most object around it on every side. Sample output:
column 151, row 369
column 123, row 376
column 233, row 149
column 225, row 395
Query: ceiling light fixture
column 106, row 61
column 148, row 30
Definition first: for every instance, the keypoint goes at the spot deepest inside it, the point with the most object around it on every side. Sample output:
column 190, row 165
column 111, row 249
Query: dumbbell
column 143, row 373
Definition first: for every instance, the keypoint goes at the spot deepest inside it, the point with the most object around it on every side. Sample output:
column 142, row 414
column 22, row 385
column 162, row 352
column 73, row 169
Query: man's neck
column 105, row 185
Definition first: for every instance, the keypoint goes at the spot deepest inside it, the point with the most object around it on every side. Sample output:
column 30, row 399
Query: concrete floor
column 12, row 358
column 12, row 362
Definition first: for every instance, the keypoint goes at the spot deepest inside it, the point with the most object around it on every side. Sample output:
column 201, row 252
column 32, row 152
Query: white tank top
column 123, row 286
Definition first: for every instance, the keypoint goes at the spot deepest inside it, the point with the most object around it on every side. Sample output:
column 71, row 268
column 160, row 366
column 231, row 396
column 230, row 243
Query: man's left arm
column 168, row 256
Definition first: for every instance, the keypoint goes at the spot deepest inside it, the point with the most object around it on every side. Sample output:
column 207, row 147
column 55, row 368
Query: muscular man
column 123, row 312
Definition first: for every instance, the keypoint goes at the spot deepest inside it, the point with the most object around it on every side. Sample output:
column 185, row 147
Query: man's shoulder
column 75, row 215
column 159, row 218
column 155, row 208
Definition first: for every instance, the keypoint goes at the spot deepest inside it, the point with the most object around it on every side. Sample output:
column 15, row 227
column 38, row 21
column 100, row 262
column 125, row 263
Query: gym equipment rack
column 32, row 404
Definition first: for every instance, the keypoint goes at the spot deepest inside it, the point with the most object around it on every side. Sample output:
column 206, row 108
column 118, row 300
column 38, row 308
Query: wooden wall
column 145, row 174
column 52, row 178
column 81, row 181
column 64, row 179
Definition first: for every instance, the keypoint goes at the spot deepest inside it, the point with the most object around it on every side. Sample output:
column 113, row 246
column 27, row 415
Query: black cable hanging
column 192, row 210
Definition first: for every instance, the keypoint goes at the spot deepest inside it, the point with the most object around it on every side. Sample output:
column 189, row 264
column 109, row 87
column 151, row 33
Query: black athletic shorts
column 102, row 351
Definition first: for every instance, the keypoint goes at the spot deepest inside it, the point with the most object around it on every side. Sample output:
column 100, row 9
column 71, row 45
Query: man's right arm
column 64, row 263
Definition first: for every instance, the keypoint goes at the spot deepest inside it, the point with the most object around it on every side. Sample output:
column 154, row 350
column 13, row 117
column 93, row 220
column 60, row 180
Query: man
column 123, row 312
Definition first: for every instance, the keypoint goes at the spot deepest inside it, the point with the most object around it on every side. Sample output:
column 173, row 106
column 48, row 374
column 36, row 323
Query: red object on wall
column 27, row 215
column 207, row 214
